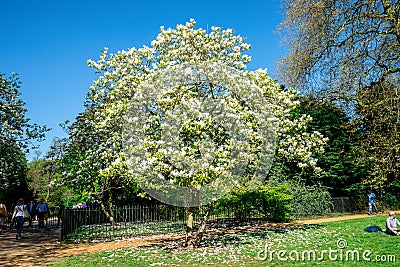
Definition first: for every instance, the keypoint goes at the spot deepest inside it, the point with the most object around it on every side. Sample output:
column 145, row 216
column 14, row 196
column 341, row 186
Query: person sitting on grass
column 391, row 224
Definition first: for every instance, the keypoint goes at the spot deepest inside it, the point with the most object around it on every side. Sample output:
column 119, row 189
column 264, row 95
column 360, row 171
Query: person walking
column 372, row 202
column 32, row 212
column 18, row 216
column 61, row 208
column 3, row 215
column 42, row 210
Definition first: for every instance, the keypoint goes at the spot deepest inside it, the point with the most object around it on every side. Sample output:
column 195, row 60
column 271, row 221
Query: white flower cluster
column 298, row 145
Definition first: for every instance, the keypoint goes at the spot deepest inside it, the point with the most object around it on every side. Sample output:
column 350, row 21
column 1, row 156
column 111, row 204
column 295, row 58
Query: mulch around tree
column 39, row 248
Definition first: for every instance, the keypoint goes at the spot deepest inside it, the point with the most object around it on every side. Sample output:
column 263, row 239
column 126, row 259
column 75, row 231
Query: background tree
column 338, row 47
column 380, row 122
column 343, row 173
column 44, row 175
column 35, row 174
column 16, row 134
column 13, row 179
column 348, row 51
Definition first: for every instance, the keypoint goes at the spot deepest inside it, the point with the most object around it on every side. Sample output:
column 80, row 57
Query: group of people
column 80, row 206
column 92, row 205
column 21, row 212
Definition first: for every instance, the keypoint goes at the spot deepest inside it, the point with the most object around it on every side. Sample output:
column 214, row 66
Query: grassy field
column 342, row 243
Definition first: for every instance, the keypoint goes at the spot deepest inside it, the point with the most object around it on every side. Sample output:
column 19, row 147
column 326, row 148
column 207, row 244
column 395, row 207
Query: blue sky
column 48, row 43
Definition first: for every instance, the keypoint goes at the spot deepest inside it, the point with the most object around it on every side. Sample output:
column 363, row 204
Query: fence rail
column 136, row 220
column 344, row 204
column 140, row 220
column 31, row 225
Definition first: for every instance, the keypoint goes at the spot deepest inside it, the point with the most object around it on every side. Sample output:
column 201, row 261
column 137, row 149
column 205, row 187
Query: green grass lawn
column 102, row 232
column 342, row 243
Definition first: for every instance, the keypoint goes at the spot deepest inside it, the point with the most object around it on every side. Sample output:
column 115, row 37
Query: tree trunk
column 194, row 240
column 48, row 189
column 108, row 211
column 189, row 226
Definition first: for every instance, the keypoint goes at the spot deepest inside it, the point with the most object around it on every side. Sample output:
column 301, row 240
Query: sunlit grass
column 248, row 249
column 104, row 232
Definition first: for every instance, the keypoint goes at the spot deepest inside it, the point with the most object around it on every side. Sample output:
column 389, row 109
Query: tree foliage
column 16, row 134
column 339, row 47
column 13, row 168
column 343, row 170
column 348, row 51
column 380, row 123
column 15, row 127
column 44, row 175
column 93, row 163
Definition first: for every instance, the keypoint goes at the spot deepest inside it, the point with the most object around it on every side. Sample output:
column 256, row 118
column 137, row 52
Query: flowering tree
column 93, row 165
column 187, row 121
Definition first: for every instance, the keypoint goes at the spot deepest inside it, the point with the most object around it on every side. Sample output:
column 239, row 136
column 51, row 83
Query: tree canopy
column 16, row 136
column 348, row 52
column 337, row 47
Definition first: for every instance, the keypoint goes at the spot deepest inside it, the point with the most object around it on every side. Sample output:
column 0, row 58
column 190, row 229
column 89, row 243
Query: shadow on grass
column 235, row 237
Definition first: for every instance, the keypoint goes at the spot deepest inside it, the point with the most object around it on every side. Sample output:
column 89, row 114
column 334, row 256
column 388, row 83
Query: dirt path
column 339, row 218
column 31, row 249
column 39, row 248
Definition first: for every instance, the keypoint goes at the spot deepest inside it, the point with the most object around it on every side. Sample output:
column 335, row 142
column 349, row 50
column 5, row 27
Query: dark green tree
column 13, row 168
column 16, row 136
column 342, row 173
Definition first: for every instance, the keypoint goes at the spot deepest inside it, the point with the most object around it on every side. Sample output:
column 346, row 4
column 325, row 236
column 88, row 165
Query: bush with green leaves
column 309, row 200
column 272, row 203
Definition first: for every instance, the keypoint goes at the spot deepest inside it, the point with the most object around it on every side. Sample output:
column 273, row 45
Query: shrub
column 310, row 199
column 269, row 202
